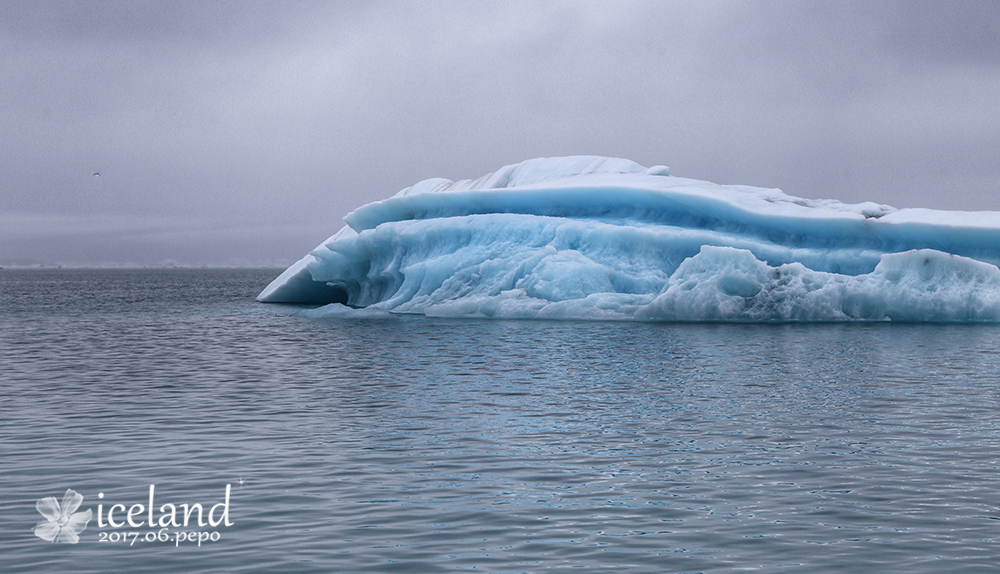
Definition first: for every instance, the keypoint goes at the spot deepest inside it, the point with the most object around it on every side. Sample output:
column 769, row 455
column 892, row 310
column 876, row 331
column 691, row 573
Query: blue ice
column 602, row 238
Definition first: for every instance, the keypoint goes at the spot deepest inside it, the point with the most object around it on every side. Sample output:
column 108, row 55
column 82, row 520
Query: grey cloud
column 235, row 120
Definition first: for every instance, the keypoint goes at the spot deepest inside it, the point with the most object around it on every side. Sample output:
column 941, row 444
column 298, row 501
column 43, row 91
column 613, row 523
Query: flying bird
column 97, row 174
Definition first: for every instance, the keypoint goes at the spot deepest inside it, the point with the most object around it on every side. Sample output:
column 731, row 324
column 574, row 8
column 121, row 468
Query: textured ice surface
column 602, row 238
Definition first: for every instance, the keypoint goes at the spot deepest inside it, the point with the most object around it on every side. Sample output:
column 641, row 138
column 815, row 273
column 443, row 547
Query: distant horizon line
column 113, row 266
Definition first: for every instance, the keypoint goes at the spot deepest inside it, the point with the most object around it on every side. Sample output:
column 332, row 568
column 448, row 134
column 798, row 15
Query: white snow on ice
column 602, row 238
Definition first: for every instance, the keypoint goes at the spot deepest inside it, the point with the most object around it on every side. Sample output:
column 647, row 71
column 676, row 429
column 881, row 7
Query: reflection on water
column 408, row 444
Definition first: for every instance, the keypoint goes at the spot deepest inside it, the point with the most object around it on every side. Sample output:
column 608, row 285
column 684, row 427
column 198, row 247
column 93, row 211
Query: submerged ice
column 603, row 238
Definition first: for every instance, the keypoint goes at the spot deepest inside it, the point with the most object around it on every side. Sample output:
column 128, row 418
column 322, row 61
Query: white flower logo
column 62, row 524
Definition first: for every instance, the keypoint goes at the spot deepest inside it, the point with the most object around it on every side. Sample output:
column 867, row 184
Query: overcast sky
column 240, row 133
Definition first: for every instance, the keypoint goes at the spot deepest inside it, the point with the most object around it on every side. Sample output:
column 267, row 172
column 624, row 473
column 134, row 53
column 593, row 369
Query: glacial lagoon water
column 413, row 444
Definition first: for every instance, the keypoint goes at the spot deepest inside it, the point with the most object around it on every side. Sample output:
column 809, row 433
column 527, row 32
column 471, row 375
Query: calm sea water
column 409, row 444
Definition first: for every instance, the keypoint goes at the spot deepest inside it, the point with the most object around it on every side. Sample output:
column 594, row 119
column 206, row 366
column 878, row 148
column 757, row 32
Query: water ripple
column 407, row 444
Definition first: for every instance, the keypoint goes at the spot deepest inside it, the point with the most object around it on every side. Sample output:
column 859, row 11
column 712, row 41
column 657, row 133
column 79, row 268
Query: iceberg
column 607, row 239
